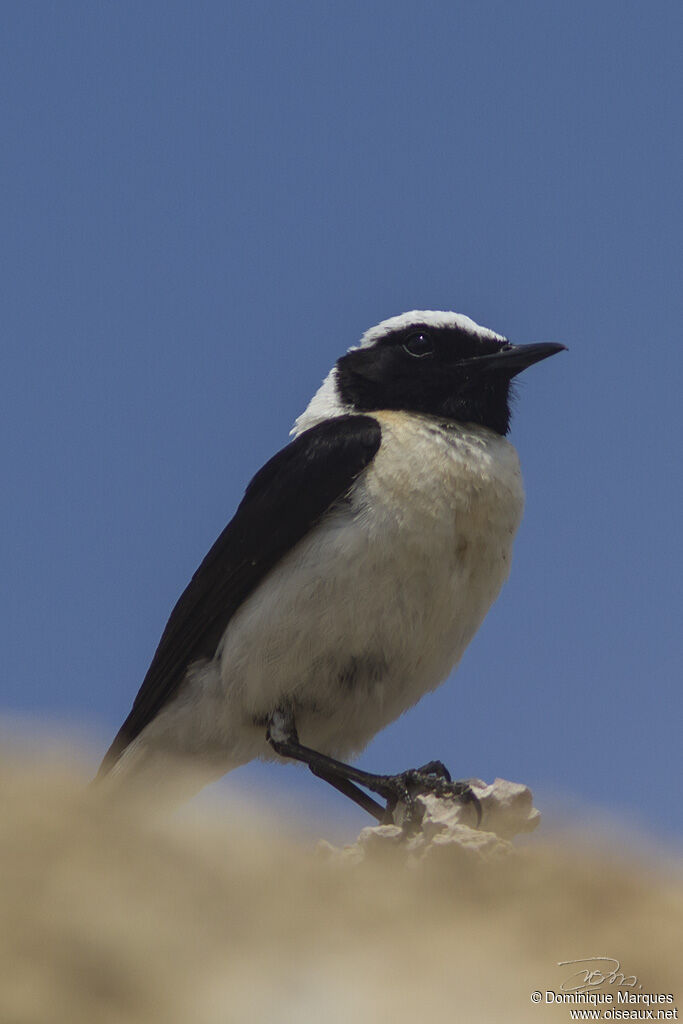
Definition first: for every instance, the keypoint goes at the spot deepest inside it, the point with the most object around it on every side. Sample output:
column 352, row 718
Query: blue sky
column 203, row 204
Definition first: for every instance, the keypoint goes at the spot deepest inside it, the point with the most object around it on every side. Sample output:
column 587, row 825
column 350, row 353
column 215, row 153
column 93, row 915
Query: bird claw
column 433, row 779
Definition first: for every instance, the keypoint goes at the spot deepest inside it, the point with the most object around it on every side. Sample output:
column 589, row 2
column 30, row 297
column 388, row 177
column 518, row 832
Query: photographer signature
column 599, row 970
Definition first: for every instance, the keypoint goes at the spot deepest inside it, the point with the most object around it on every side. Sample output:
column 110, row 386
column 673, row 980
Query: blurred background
column 204, row 204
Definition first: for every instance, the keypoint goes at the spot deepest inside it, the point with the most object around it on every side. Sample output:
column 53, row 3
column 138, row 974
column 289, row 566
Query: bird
column 356, row 570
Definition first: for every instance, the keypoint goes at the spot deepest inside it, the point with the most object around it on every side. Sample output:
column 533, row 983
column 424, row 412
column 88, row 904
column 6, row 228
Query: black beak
column 512, row 359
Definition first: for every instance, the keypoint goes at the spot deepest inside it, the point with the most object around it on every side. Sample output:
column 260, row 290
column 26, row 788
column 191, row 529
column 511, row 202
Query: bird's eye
column 419, row 344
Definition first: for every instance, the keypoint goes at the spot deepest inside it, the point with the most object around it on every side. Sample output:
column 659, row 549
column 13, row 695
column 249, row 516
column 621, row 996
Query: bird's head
column 439, row 363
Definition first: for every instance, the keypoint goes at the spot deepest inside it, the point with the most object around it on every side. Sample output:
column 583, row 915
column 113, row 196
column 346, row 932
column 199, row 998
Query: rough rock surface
column 507, row 810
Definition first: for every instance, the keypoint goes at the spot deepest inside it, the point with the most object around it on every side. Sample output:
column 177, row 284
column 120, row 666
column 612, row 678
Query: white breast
column 373, row 609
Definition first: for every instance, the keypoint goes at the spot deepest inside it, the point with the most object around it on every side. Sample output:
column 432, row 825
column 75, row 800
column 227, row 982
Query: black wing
column 285, row 499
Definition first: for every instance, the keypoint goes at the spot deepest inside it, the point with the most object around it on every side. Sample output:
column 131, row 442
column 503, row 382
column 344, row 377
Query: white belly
column 372, row 610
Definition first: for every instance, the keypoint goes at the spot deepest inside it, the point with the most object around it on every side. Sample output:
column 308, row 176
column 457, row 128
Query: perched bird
column 356, row 570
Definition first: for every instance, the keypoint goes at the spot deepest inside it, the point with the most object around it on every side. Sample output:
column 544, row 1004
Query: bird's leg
column 283, row 738
column 402, row 788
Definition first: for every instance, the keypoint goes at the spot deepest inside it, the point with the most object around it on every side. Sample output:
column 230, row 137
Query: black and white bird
column 356, row 570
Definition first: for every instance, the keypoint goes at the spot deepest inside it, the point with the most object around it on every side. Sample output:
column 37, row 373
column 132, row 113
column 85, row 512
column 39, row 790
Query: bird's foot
column 398, row 791
column 434, row 779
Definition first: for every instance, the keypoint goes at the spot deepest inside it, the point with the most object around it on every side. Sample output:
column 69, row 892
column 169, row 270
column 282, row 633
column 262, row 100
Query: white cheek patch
column 325, row 404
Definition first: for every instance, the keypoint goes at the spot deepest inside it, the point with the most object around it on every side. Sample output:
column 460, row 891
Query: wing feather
column 285, row 499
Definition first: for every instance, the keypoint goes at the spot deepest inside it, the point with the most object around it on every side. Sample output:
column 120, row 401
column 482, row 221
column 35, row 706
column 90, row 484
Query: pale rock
column 445, row 822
